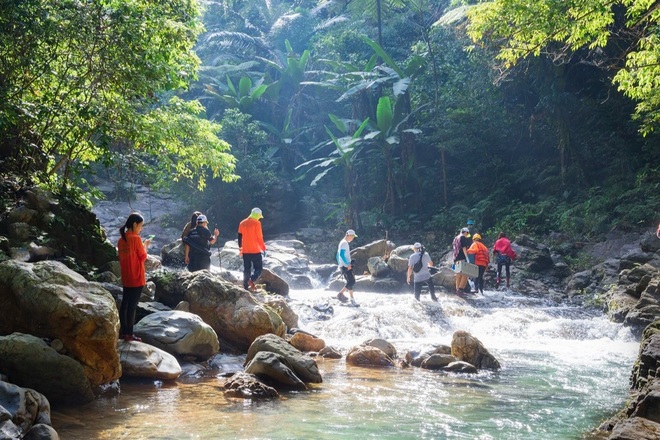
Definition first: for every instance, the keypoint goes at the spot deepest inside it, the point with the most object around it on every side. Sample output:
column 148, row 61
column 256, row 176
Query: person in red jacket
column 252, row 247
column 132, row 253
column 481, row 259
column 503, row 254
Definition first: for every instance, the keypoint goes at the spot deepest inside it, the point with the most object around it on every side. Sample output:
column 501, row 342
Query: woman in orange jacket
column 481, row 259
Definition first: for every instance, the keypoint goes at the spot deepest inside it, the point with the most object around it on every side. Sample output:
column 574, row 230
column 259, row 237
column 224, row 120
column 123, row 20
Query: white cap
column 201, row 218
column 256, row 212
column 351, row 232
column 417, row 245
column 465, row 230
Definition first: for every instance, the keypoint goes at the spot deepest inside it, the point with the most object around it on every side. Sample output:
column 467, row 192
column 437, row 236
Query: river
column 564, row 370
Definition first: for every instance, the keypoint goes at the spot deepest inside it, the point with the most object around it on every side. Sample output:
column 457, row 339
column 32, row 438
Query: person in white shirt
column 423, row 275
column 346, row 266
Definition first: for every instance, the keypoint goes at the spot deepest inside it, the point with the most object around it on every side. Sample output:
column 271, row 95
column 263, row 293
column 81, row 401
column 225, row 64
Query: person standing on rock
column 252, row 247
column 418, row 270
column 198, row 245
column 504, row 254
column 132, row 252
column 346, row 266
column 460, row 246
column 481, row 259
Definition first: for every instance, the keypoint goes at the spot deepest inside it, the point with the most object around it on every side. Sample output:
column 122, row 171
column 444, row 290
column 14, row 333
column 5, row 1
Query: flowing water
column 564, row 370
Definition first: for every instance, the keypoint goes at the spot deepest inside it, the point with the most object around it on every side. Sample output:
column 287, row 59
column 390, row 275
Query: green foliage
column 85, row 78
column 560, row 29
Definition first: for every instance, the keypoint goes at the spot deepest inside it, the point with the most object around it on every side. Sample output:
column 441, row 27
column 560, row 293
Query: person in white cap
column 252, row 247
column 198, row 245
column 346, row 266
column 418, row 270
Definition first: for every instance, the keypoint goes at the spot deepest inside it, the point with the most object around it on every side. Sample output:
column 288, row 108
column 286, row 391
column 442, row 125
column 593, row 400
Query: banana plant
column 344, row 156
column 242, row 97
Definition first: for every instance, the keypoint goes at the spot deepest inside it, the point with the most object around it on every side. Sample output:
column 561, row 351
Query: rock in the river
column 235, row 315
column 24, row 414
column 29, row 362
column 48, row 300
column 276, row 367
column 304, row 367
column 143, row 360
column 467, row 348
column 179, row 333
column 247, row 386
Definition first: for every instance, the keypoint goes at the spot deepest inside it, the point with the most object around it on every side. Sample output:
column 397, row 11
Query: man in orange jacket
column 252, row 247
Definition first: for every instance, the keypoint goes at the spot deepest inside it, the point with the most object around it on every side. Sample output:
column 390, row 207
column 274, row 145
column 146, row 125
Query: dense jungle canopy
column 408, row 115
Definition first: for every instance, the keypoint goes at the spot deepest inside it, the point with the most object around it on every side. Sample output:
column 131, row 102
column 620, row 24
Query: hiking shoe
column 341, row 297
column 251, row 285
column 353, row 303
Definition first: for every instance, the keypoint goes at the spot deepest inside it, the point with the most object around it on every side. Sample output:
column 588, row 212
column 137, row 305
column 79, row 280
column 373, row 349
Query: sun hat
column 465, row 230
column 417, row 245
column 256, row 213
column 476, row 237
column 201, row 218
column 470, row 222
column 351, row 232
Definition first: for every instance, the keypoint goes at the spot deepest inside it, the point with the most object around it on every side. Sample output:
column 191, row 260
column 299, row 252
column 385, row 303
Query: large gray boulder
column 24, row 413
column 179, row 333
column 48, row 300
column 29, row 362
column 303, row 366
column 143, row 360
column 235, row 315
column 275, row 367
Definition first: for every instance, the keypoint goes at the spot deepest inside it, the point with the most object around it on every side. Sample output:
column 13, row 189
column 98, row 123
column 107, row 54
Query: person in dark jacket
column 199, row 241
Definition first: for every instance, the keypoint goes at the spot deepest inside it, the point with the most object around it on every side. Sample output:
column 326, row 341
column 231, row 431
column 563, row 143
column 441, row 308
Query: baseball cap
column 417, row 245
column 351, row 232
column 465, row 230
column 470, row 222
column 256, row 213
column 201, row 218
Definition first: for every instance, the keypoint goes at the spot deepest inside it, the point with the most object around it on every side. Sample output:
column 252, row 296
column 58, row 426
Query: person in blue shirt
column 346, row 266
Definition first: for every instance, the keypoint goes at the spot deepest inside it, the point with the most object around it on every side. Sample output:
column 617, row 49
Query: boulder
column 362, row 254
column 367, row 356
column 247, row 386
column 235, row 315
column 467, row 348
column 143, row 360
column 461, row 367
column 330, row 353
column 172, row 254
column 416, row 359
column 24, row 413
column 279, row 304
column 29, row 362
column 178, row 333
column 378, row 267
column 272, row 283
column 398, row 261
column 445, row 277
column 306, row 342
column 637, row 428
column 383, row 345
column 275, row 367
column 303, row 366
column 48, row 300
column 438, row 361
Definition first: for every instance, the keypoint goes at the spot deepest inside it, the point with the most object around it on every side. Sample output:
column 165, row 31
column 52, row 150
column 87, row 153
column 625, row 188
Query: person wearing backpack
column 418, row 270
column 481, row 259
column 460, row 245
column 504, row 255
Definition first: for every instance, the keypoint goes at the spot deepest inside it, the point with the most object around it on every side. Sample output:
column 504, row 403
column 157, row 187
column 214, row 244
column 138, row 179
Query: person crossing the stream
column 481, row 259
column 418, row 270
column 252, row 248
column 346, row 266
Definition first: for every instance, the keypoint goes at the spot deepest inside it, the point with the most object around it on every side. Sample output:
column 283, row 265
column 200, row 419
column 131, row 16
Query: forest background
column 409, row 116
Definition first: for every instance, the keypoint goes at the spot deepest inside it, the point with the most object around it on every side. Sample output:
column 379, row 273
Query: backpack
column 457, row 245
column 418, row 265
